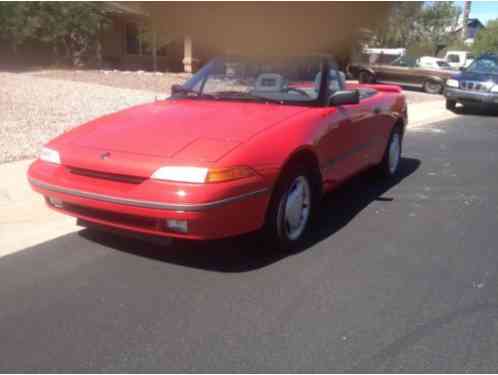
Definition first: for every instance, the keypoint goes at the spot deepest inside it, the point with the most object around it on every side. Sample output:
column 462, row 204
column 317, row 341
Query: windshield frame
column 320, row 101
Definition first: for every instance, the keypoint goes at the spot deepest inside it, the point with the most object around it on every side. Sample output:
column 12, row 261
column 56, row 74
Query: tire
column 389, row 166
column 365, row 77
column 432, row 87
column 298, row 181
column 450, row 105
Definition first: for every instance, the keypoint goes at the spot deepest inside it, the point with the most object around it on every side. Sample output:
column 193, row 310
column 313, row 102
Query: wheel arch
column 307, row 155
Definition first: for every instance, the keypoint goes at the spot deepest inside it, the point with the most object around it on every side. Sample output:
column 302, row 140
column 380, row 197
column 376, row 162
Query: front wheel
column 450, row 105
column 291, row 209
column 389, row 166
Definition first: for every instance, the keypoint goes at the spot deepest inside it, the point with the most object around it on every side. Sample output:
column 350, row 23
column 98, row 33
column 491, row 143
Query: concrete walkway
column 26, row 221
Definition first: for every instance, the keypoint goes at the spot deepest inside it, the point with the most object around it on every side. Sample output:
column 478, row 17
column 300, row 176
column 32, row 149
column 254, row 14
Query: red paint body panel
column 208, row 133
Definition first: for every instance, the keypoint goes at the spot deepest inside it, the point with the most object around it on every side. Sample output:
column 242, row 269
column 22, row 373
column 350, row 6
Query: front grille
column 474, row 86
column 107, row 176
column 113, row 217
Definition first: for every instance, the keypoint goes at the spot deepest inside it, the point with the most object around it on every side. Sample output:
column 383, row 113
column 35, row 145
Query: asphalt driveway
column 399, row 276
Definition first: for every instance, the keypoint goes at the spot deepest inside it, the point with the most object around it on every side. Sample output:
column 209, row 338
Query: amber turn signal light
column 228, row 174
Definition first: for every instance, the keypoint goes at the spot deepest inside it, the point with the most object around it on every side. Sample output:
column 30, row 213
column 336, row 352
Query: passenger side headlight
column 181, row 174
column 495, row 89
column 452, row 83
column 201, row 175
column 49, row 155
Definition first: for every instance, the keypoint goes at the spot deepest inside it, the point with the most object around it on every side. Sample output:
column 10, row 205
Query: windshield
column 443, row 64
column 283, row 80
column 486, row 65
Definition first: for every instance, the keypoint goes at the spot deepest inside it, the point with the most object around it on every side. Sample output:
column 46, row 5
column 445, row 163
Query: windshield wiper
column 237, row 95
column 191, row 93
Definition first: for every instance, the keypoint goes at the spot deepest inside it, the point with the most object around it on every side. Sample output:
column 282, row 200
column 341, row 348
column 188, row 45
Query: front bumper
column 214, row 211
column 466, row 96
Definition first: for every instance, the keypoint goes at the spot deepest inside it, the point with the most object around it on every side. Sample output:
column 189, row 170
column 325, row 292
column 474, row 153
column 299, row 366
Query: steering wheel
column 299, row 91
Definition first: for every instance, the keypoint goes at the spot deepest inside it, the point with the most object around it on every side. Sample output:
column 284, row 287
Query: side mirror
column 344, row 98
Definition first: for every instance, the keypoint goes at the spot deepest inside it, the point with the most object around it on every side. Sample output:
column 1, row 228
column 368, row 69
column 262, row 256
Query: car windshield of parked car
column 283, row 80
column 486, row 65
column 405, row 61
column 443, row 64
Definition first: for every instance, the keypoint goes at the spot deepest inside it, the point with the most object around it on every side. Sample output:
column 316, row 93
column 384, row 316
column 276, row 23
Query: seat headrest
column 269, row 82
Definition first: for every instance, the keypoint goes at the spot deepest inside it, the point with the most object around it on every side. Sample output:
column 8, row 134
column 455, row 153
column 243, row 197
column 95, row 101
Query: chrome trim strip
column 146, row 204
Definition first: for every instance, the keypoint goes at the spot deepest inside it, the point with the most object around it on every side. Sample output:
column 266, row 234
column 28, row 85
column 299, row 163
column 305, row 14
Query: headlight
column 452, row 83
column 181, row 174
column 201, row 175
column 50, row 156
column 495, row 89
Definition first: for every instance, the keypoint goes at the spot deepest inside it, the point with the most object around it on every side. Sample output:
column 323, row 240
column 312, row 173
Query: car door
column 408, row 71
column 345, row 146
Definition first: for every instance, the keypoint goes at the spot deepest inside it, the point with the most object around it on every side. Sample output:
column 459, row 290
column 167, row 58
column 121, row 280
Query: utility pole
column 466, row 12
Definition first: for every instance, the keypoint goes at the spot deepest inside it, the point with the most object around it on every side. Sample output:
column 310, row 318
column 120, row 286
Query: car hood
column 479, row 77
column 188, row 129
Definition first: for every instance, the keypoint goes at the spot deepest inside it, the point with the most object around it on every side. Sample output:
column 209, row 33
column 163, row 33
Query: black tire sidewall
column 450, row 104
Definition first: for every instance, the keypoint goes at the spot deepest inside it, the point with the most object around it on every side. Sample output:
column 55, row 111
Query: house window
column 454, row 58
column 132, row 39
column 138, row 41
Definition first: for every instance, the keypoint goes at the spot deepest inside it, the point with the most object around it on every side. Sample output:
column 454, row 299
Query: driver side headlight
column 50, row 156
column 452, row 83
column 495, row 89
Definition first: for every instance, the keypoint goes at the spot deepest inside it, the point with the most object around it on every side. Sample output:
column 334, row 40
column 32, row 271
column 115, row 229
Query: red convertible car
column 244, row 145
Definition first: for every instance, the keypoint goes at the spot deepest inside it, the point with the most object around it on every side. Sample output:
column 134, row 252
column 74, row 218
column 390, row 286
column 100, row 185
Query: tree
column 419, row 26
column 438, row 20
column 487, row 39
column 399, row 30
column 15, row 25
column 74, row 26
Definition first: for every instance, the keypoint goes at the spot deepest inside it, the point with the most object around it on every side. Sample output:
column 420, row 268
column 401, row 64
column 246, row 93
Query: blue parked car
column 476, row 84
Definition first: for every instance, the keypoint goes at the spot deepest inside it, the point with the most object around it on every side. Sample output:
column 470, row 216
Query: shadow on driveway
column 477, row 110
column 249, row 252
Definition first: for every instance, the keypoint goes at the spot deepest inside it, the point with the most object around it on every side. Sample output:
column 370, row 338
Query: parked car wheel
column 450, row 105
column 389, row 167
column 432, row 87
column 291, row 208
column 366, row 77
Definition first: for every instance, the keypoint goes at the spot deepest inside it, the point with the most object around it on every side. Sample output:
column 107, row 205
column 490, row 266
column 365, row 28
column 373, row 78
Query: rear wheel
column 450, row 104
column 432, row 87
column 366, row 77
column 389, row 166
column 291, row 208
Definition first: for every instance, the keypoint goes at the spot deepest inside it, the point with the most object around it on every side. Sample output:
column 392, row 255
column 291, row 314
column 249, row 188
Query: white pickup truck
column 458, row 59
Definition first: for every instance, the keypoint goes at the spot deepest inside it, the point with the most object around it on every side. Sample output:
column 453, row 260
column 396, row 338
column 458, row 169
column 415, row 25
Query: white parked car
column 430, row 62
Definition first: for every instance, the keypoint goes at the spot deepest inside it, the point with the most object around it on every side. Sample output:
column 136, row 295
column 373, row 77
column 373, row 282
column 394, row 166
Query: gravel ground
column 157, row 82
column 34, row 110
